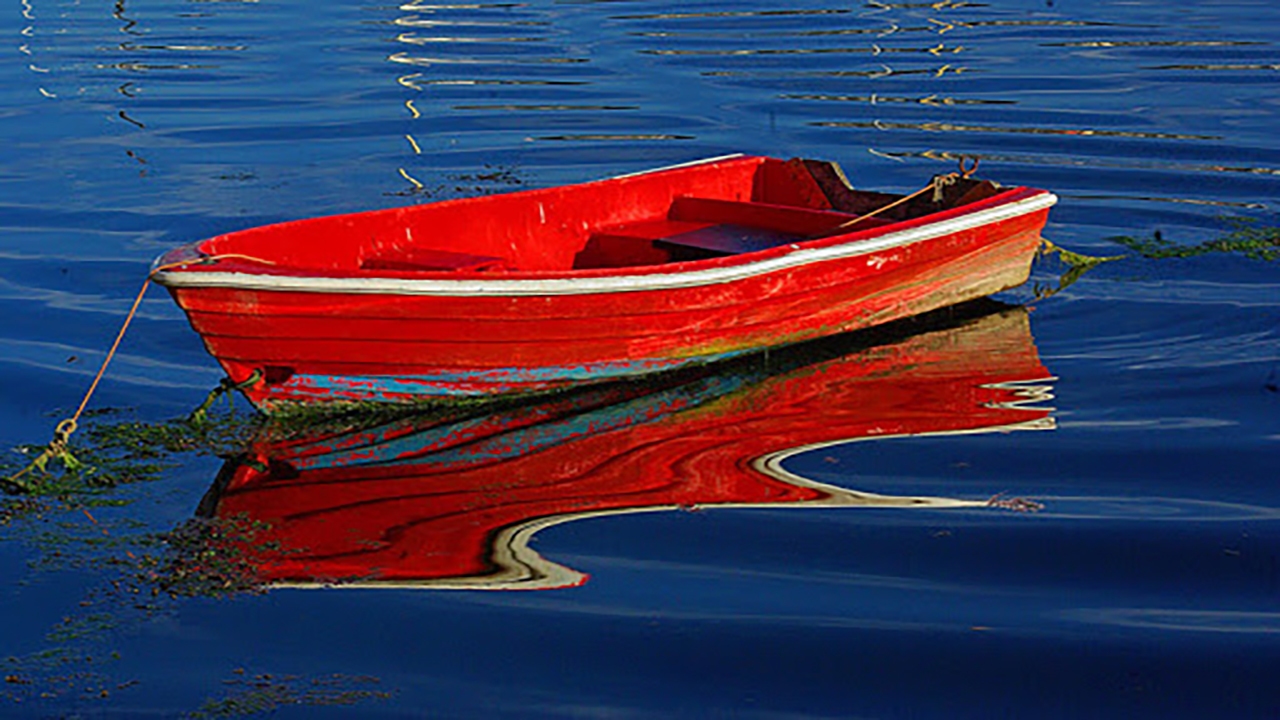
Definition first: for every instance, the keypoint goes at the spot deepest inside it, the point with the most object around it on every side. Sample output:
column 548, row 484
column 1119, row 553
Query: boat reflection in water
column 452, row 502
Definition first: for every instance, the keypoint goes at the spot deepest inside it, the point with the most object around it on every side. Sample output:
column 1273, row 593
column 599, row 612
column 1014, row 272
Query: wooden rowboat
column 547, row 288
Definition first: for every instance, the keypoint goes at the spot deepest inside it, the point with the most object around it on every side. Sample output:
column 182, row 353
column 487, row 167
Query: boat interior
column 701, row 211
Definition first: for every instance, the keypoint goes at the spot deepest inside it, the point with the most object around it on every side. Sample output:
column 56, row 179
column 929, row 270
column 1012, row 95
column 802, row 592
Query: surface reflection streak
column 452, row 501
column 813, row 75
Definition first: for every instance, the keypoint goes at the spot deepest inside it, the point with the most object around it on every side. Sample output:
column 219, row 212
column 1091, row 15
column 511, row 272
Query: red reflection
column 452, row 503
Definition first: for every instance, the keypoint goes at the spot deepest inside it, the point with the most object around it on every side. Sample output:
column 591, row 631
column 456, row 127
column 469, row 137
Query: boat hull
column 392, row 339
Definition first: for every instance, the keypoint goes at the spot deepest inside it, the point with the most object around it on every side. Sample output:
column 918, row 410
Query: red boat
column 546, row 288
column 453, row 502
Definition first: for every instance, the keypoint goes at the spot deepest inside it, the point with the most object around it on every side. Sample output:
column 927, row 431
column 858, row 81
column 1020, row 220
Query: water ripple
column 1207, row 621
column 1153, row 509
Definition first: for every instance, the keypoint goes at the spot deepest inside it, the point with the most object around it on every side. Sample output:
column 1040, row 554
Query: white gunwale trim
column 598, row 284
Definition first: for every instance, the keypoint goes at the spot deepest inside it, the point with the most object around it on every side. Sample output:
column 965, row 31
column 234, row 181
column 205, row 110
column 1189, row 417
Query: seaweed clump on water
column 207, row 557
column 1075, row 264
column 110, row 453
column 1248, row 237
column 264, row 693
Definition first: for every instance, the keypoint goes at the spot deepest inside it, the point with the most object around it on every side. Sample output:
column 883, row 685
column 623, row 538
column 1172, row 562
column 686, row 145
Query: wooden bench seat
column 797, row 221
column 697, row 228
column 735, row 227
column 730, row 239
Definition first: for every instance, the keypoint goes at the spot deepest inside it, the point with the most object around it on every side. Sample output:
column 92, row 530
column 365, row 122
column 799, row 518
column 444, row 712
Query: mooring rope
column 938, row 185
column 58, row 447
column 225, row 387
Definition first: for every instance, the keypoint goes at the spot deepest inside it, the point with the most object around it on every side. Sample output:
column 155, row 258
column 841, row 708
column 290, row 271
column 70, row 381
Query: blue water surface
column 1148, row 586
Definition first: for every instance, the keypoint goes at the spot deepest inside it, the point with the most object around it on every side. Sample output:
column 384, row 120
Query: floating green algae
column 1248, row 237
column 207, row 557
column 111, row 452
column 264, row 693
column 75, row 517
column 1074, row 266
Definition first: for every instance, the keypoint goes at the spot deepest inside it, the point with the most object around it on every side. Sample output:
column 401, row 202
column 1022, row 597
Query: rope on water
column 58, row 448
